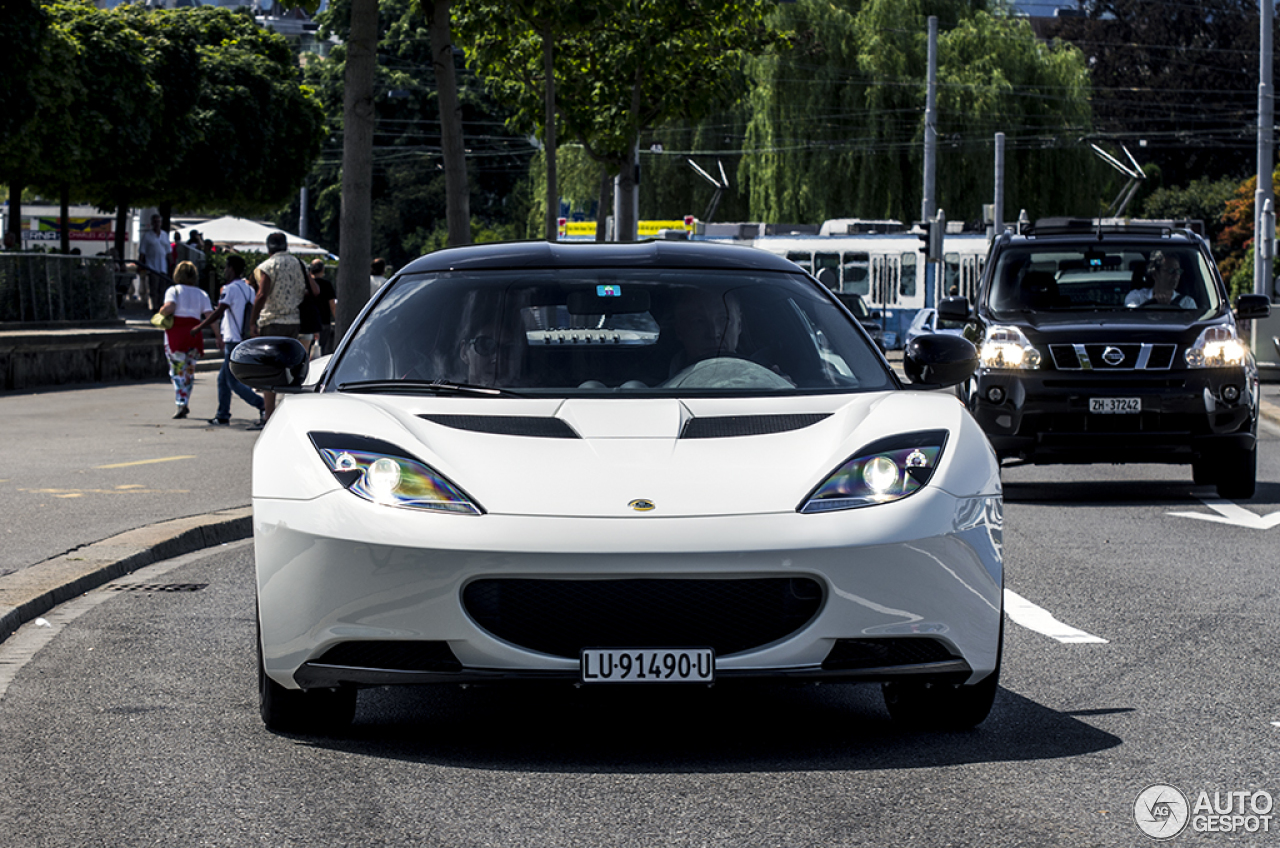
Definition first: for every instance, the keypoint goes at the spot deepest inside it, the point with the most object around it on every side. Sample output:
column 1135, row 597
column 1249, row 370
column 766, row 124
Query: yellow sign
column 587, row 229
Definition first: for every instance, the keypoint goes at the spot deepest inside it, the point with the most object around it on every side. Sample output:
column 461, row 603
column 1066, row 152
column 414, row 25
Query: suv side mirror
column 271, row 363
column 954, row 309
column 938, row 360
column 1252, row 306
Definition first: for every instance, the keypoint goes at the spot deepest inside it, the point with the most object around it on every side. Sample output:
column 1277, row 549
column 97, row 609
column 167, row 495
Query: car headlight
column 1007, row 347
column 1217, row 347
column 886, row 470
column 381, row 472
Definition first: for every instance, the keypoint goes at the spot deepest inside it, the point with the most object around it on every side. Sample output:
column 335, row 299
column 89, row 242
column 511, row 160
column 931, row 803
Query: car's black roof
column 650, row 254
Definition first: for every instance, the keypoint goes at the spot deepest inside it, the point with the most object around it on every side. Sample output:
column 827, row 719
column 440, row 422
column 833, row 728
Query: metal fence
column 38, row 288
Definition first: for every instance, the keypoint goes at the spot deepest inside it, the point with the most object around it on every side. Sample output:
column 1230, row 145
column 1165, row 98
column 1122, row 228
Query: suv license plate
column 648, row 665
column 1115, row 406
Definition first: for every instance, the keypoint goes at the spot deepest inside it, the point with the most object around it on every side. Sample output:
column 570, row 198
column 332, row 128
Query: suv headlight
column 1217, row 347
column 381, row 472
column 1007, row 347
column 883, row 471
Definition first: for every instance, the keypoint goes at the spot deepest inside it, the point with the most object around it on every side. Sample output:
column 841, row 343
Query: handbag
column 162, row 321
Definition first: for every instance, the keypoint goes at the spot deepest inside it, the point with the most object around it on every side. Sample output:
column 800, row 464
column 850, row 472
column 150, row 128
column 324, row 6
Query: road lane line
column 1040, row 620
column 145, row 462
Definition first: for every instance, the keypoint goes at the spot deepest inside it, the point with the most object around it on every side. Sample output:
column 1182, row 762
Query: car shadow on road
column 724, row 730
column 1127, row 492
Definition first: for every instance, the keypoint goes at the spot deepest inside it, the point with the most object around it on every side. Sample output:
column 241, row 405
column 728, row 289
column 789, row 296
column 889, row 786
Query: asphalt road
column 86, row 463
column 1142, row 652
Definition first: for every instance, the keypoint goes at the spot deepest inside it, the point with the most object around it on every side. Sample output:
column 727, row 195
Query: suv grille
column 1126, row 356
column 561, row 617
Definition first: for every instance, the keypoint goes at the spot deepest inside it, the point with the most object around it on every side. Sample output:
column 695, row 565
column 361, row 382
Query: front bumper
column 1044, row 417
column 909, row 588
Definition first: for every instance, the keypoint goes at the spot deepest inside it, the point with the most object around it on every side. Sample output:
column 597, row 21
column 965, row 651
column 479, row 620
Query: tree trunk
column 549, row 136
column 457, row 193
column 64, row 225
column 14, row 224
column 606, row 201
column 122, row 230
column 355, row 238
column 626, row 226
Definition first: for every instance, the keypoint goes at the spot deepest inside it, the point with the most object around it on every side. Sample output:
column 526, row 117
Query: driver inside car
column 1164, row 272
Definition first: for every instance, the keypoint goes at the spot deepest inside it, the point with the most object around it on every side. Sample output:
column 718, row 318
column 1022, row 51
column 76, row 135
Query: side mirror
column 270, row 363
column 954, row 309
column 1252, row 306
column 938, row 360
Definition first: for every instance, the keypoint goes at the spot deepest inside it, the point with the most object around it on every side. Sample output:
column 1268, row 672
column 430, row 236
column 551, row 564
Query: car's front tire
column 318, row 711
column 944, row 706
column 1238, row 474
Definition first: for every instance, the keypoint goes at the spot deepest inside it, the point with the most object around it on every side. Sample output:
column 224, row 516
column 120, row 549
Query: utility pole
column 929, row 205
column 998, row 201
column 1264, row 238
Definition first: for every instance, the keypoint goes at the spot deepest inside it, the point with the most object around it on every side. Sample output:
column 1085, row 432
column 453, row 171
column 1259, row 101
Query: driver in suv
column 1113, row 344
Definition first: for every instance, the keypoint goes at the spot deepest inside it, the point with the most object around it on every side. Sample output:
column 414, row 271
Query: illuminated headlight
column 1007, row 347
column 883, row 471
column 380, row 472
column 1217, row 347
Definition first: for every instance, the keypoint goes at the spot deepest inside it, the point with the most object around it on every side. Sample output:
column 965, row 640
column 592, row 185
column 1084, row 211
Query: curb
column 33, row 591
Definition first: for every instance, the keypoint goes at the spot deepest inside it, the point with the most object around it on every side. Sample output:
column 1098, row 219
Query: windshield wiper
column 413, row 387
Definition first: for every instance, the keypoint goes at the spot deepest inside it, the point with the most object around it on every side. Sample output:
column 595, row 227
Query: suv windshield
column 1104, row 277
column 593, row 331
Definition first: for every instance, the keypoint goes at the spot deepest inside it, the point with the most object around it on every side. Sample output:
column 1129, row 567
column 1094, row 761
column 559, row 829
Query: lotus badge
column 642, row 505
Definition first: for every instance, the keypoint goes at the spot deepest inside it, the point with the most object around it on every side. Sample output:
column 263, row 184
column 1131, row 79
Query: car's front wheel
column 944, row 706
column 1238, row 474
column 317, row 711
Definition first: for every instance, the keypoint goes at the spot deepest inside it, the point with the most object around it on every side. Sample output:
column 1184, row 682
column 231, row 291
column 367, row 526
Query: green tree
column 836, row 126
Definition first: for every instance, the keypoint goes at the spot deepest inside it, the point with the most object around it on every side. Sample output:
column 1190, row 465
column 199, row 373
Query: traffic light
column 926, row 238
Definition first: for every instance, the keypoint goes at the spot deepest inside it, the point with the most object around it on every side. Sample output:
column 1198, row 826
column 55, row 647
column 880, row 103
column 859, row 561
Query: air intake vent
column 507, row 425
column 392, row 656
column 849, row 654
column 727, row 426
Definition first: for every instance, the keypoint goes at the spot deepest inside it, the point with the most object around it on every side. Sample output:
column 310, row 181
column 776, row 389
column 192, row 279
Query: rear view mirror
column 954, row 309
column 1252, row 306
column 270, row 363
column 608, row 299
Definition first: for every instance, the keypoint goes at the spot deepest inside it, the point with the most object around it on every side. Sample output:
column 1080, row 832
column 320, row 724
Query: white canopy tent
column 245, row 236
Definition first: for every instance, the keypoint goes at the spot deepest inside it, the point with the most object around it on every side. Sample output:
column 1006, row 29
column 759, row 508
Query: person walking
column 377, row 275
column 153, row 254
column 328, row 302
column 281, row 284
column 188, row 305
column 234, row 308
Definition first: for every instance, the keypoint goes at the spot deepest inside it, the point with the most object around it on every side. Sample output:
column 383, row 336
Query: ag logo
column 643, row 505
column 1161, row 811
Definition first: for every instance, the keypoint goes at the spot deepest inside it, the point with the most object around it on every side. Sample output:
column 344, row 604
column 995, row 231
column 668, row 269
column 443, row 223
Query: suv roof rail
column 1082, row 226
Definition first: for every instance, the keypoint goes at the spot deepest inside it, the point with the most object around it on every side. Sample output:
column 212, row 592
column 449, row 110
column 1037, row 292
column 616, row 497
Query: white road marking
column 1040, row 620
column 1230, row 512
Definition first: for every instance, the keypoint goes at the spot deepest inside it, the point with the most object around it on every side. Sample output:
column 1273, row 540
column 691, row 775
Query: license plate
column 648, row 665
column 1115, row 406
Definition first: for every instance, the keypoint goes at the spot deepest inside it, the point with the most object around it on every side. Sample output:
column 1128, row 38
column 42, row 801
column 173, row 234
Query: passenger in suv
column 1113, row 344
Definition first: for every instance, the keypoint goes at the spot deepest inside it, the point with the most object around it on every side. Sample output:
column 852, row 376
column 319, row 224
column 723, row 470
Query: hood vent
column 507, row 425
column 727, row 426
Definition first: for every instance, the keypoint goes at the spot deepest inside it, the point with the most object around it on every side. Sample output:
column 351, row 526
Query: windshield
column 596, row 331
column 1108, row 277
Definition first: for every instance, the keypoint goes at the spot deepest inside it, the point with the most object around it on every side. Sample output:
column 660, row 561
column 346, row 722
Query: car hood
column 1103, row 326
column 595, row 457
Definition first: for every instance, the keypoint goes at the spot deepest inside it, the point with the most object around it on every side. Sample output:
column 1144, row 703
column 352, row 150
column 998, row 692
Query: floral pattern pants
column 182, row 370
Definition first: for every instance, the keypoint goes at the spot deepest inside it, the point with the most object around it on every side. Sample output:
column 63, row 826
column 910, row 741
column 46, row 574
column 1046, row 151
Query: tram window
column 907, row 281
column 855, row 273
column 803, row 259
column 827, row 260
column 952, row 278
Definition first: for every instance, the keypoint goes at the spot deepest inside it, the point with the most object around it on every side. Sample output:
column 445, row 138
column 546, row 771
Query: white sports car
column 663, row 463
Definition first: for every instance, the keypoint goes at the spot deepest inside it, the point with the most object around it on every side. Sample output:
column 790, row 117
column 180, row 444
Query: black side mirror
column 270, row 363
column 1252, row 306
column 938, row 360
column 954, row 309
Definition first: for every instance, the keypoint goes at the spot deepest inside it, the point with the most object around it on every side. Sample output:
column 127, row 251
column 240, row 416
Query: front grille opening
column 561, row 617
column 399, row 655
column 847, row 654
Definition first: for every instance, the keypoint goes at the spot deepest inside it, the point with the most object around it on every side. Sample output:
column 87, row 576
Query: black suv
column 1113, row 344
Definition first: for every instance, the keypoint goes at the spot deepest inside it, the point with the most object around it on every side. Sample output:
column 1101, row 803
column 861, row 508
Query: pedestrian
column 188, row 305
column 153, row 255
column 327, row 302
column 377, row 275
column 309, row 315
column 282, row 280
column 235, row 307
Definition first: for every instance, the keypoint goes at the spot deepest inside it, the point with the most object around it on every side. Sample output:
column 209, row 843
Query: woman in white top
column 183, row 343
